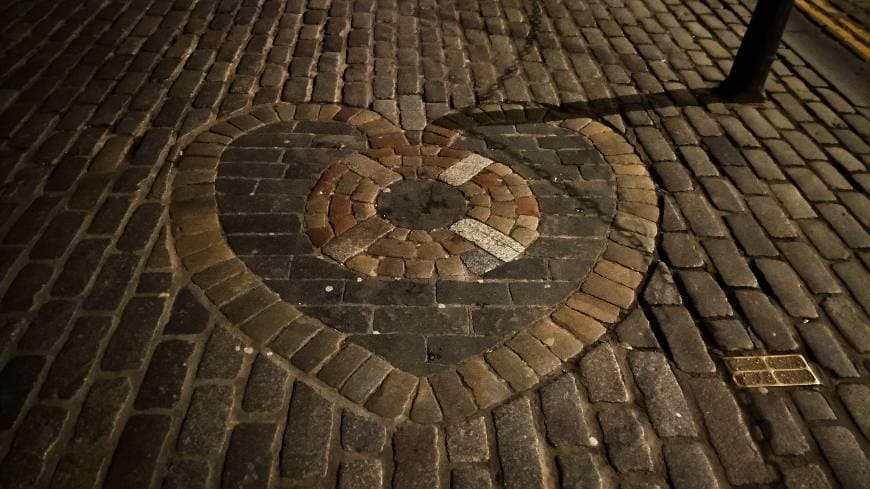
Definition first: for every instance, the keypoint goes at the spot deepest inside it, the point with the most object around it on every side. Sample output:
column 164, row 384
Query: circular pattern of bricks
column 422, row 212
column 253, row 223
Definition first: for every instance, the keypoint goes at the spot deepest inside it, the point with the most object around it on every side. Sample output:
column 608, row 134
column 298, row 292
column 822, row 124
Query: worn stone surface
column 172, row 173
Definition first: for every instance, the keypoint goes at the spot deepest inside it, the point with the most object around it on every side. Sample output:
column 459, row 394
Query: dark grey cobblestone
column 117, row 369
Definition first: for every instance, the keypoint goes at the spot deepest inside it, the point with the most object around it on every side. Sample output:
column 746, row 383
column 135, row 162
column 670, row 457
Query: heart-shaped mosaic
column 325, row 233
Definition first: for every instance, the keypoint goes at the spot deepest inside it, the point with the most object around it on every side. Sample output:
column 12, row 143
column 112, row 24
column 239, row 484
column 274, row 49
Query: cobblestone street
column 458, row 244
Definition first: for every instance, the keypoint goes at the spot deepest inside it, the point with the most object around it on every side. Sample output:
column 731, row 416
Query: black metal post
column 745, row 83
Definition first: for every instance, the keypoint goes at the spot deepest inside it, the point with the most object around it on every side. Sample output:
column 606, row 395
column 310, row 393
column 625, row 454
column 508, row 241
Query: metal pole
column 745, row 83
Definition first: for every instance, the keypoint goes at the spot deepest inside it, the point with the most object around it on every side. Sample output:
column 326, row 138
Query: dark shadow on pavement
column 596, row 108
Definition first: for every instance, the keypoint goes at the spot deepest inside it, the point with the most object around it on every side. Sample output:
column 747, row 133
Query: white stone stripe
column 464, row 170
column 356, row 239
column 370, row 168
column 488, row 238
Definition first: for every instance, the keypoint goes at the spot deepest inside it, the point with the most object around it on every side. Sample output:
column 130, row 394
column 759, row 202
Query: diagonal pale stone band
column 464, row 170
column 370, row 168
column 356, row 239
column 488, row 238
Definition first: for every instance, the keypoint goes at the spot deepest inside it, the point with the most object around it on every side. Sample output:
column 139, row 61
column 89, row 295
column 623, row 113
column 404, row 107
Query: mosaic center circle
column 422, row 204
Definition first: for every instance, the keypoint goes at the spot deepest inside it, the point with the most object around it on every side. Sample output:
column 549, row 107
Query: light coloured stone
column 370, row 168
column 491, row 240
column 464, row 170
column 357, row 239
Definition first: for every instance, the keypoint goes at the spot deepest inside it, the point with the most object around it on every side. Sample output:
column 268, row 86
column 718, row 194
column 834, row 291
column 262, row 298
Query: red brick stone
column 320, row 236
column 528, row 206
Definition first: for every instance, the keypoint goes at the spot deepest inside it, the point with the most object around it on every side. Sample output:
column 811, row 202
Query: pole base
column 729, row 93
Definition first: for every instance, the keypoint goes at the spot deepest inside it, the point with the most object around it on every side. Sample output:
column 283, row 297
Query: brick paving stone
column 315, row 352
column 635, row 331
column 809, row 476
column 811, row 185
column 35, row 441
column 265, row 386
column 582, row 470
column 48, row 326
column 203, row 429
column 731, row 266
column 848, row 461
column 101, row 411
column 750, row 235
column 182, row 474
column 786, row 436
column 106, row 294
column 136, row 328
column 455, row 400
column 417, row 457
column 164, row 379
column 249, row 456
column 845, row 225
column 625, row 438
column 603, row 376
column 519, row 446
column 511, row 368
column 788, row 288
column 683, row 339
column 771, row 217
column 850, row 320
column 534, row 353
column 188, row 316
column 767, row 321
column 854, row 276
column 487, row 388
column 565, row 412
column 366, row 379
column 827, row 348
column 470, row 478
column 707, row 297
column 394, row 395
column 689, row 466
column 360, row 474
column 468, row 441
column 701, row 217
column 29, row 282
column 737, row 451
column 488, row 238
column 59, row 233
column 810, row 267
column 794, row 203
column 425, row 408
column 310, row 430
column 222, row 357
column 813, row 405
column 661, row 288
column 357, row 239
column 73, row 363
column 663, row 397
column 361, row 434
column 856, row 397
column 138, row 452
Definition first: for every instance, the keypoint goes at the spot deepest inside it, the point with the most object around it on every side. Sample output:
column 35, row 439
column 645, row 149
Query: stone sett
column 175, row 171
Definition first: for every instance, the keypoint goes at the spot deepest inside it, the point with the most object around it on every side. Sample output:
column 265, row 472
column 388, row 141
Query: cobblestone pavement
column 415, row 243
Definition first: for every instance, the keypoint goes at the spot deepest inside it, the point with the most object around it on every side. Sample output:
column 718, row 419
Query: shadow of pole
column 596, row 108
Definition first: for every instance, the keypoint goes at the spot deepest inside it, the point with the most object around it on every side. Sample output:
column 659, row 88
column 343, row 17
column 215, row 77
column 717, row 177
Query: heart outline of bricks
column 477, row 383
